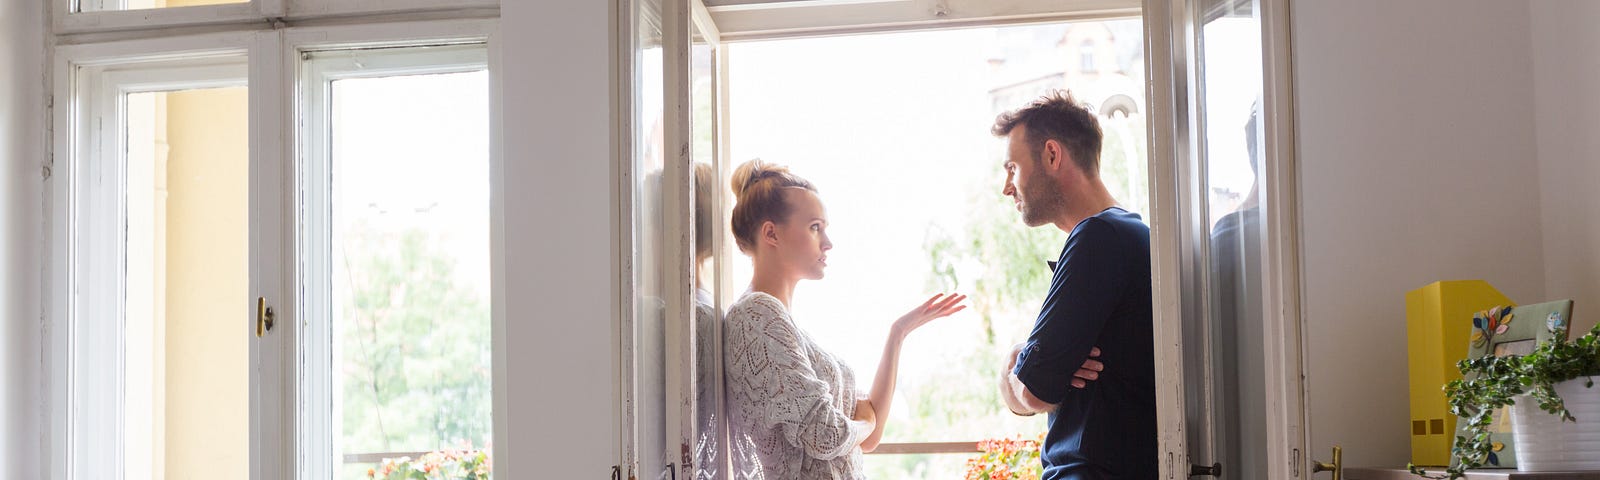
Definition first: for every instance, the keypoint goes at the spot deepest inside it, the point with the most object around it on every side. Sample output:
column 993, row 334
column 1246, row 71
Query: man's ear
column 769, row 233
column 1055, row 156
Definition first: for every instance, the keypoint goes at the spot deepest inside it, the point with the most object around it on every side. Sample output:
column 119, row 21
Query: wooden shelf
column 1504, row 474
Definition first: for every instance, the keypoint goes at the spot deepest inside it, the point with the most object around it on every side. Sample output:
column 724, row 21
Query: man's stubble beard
column 1043, row 204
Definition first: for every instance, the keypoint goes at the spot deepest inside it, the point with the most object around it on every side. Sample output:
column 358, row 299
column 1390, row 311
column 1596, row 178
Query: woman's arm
column 882, row 394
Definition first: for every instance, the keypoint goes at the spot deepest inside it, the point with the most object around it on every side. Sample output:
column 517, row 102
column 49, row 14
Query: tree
column 413, row 344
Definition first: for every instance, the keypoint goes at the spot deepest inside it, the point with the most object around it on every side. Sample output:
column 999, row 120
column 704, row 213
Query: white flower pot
column 1546, row 444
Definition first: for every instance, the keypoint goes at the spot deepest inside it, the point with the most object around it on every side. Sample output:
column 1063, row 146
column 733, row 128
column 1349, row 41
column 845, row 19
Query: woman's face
column 803, row 238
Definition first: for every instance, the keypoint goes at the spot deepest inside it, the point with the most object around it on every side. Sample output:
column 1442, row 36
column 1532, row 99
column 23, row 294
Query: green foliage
column 414, row 347
column 998, row 259
column 1492, row 383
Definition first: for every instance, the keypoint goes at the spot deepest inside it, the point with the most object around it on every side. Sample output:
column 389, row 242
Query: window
column 269, row 249
column 915, row 110
column 160, row 232
column 396, row 174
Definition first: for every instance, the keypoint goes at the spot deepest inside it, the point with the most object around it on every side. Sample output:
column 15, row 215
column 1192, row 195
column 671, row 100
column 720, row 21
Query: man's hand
column 1090, row 371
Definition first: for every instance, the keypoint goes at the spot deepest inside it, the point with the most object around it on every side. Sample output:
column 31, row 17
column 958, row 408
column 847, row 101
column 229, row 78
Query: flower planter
column 1545, row 443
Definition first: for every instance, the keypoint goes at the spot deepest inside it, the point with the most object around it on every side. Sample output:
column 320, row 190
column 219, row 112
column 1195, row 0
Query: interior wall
column 21, row 213
column 1416, row 143
column 1566, row 71
column 556, row 360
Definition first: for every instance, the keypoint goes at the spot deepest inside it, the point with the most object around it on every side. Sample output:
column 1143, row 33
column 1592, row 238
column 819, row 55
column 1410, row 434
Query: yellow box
column 1438, row 321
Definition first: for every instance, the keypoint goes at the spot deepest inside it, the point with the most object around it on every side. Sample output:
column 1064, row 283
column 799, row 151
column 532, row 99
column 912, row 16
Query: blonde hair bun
column 750, row 173
column 757, row 191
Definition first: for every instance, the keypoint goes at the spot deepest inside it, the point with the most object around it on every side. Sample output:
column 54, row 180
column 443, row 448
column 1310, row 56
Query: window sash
column 82, row 69
column 86, row 281
column 318, row 422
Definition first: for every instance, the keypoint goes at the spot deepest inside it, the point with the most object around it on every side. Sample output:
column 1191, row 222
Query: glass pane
column 410, row 269
column 708, row 446
column 649, row 238
column 1230, row 56
column 894, row 131
column 100, row 5
column 186, row 354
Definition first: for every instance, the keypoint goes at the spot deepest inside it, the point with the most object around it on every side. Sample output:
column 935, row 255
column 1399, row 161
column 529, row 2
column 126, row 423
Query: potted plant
column 1006, row 459
column 1490, row 383
column 465, row 464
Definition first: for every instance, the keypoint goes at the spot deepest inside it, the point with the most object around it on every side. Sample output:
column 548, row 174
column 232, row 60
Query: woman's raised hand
column 939, row 306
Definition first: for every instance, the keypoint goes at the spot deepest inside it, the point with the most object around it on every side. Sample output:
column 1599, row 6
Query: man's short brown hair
column 1057, row 116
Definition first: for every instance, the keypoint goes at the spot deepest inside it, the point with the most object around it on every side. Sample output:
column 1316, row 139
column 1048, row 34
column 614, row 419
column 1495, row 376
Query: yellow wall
column 207, row 278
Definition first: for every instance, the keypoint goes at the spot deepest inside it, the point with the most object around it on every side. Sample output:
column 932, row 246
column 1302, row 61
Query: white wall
column 1416, row 130
column 21, row 143
column 1566, row 73
column 559, row 362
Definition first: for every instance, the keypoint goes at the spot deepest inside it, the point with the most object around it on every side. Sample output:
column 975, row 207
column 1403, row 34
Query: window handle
column 264, row 317
column 1215, row 470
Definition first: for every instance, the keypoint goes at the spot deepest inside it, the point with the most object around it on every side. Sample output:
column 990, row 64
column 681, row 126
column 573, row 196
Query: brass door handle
column 264, row 318
column 1337, row 467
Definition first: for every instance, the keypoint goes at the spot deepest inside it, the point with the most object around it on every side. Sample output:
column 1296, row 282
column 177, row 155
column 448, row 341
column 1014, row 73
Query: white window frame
column 67, row 16
column 464, row 48
column 1174, row 75
column 85, row 240
column 760, row 19
column 1171, row 66
column 258, row 38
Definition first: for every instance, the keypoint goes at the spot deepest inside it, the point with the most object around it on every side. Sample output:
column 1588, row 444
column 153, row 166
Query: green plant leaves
column 1490, row 383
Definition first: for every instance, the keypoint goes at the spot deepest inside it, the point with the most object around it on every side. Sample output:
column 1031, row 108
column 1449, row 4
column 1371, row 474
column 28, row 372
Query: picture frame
column 1513, row 330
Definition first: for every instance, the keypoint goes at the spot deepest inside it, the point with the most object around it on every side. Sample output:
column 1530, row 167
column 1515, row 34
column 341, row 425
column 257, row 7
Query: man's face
column 1036, row 195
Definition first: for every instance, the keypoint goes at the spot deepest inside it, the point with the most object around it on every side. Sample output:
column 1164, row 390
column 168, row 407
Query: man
column 1099, row 296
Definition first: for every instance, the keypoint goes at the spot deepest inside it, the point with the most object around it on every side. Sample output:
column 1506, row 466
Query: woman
column 793, row 408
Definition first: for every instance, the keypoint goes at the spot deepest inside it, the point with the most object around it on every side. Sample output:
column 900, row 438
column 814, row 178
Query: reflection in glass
column 410, row 266
column 649, row 238
column 1231, row 56
column 709, row 446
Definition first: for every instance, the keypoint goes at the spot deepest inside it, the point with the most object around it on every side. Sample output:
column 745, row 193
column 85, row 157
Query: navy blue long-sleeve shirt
column 1099, row 297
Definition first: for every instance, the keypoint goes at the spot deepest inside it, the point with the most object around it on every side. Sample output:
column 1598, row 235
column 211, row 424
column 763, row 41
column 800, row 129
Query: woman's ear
column 769, row 233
